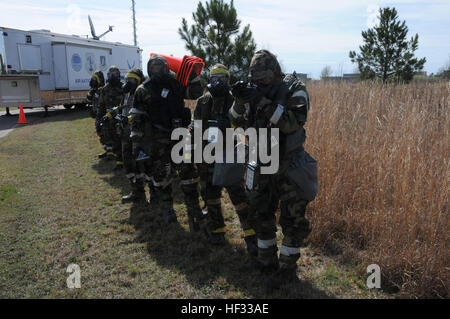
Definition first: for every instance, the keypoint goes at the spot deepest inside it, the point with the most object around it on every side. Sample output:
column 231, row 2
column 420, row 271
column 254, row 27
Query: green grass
column 8, row 193
column 60, row 205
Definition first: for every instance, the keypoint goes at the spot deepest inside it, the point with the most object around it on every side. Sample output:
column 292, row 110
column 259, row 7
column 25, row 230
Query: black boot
column 252, row 245
column 194, row 223
column 197, row 221
column 102, row 155
column 169, row 216
column 253, row 264
column 135, row 197
column 217, row 239
column 153, row 193
column 284, row 275
column 265, row 260
column 110, row 155
column 118, row 167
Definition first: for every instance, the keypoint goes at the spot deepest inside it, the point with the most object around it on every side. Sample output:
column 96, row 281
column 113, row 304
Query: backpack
column 295, row 84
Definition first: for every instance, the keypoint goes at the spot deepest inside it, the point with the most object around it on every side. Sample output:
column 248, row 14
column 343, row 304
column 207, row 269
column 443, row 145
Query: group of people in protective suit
column 135, row 119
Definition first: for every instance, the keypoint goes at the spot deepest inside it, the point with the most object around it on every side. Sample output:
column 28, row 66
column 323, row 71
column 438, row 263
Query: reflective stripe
column 235, row 114
column 220, row 71
column 135, row 133
column 213, row 201
column 148, row 178
column 109, row 115
column 249, row 232
column 119, row 163
column 129, row 119
column 277, row 114
column 97, row 77
column 267, row 243
column 300, row 93
column 155, row 183
column 163, row 183
column 189, row 181
column 241, row 206
column 137, row 111
column 303, row 94
column 220, row 230
column 109, row 153
column 287, row 251
column 132, row 75
column 130, row 175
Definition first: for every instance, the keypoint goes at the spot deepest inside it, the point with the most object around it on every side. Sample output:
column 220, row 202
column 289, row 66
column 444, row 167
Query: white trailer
column 59, row 65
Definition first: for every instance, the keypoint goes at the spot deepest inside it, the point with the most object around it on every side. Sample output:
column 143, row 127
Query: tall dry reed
column 384, row 170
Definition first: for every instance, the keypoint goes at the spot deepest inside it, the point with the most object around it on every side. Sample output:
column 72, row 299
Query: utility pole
column 134, row 22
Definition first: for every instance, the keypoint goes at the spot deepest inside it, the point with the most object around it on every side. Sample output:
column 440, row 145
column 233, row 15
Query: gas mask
column 93, row 83
column 263, row 86
column 157, row 70
column 130, row 85
column 218, row 86
column 114, row 77
column 264, row 71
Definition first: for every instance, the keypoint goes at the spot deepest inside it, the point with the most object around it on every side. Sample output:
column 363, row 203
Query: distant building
column 349, row 77
column 302, row 76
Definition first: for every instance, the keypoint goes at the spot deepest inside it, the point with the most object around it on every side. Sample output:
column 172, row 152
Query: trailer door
column 30, row 57
column 84, row 60
column 60, row 66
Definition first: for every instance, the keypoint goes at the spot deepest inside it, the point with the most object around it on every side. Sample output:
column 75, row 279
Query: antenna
column 134, row 22
column 94, row 36
column 92, row 28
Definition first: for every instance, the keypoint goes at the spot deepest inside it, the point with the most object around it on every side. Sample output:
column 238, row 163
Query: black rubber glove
column 244, row 93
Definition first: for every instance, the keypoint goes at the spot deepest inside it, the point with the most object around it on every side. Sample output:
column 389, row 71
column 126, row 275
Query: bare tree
column 326, row 72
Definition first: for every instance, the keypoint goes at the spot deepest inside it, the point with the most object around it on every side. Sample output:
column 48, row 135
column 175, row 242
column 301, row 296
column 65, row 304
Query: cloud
column 304, row 35
column 372, row 15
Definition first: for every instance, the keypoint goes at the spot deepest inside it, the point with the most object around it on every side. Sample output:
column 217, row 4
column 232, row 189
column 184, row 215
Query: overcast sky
column 305, row 35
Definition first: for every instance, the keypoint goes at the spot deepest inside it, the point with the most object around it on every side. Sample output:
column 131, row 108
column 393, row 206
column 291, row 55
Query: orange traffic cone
column 186, row 69
column 22, row 119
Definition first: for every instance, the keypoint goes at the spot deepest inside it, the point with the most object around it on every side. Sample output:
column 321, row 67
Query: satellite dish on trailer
column 94, row 36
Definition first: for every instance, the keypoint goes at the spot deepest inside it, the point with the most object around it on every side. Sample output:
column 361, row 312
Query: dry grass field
column 383, row 154
column 384, row 176
column 60, row 204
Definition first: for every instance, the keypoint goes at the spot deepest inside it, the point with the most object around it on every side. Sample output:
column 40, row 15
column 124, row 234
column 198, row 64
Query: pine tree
column 215, row 37
column 386, row 53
